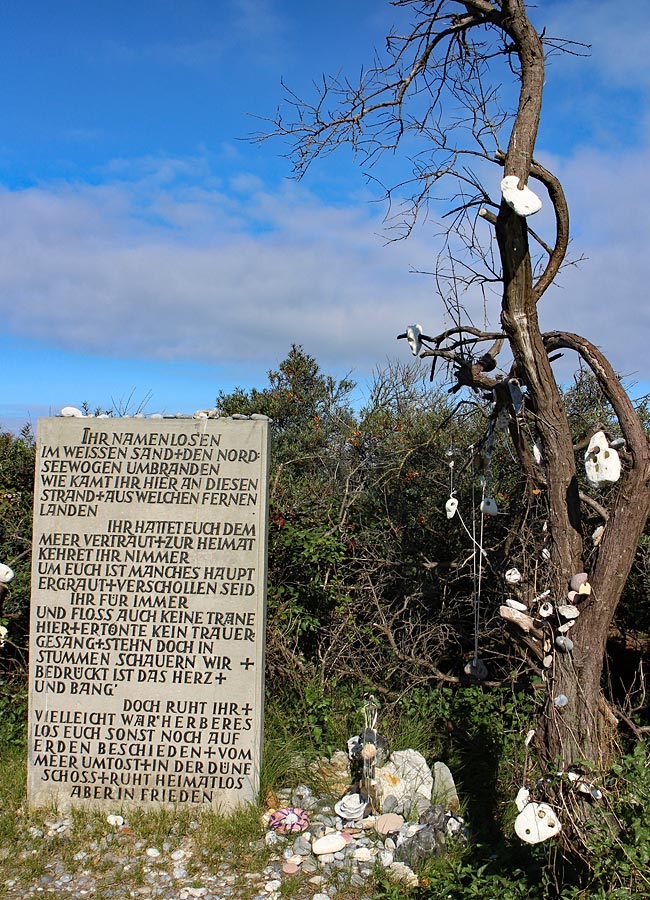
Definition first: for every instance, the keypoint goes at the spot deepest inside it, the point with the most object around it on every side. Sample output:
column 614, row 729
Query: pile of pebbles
column 335, row 853
column 329, row 858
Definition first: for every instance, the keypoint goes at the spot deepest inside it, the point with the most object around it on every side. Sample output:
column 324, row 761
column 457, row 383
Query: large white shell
column 602, row 462
column 537, row 822
column 519, row 618
column 513, row 576
column 6, row 574
column 413, row 336
column 72, row 412
column 524, row 202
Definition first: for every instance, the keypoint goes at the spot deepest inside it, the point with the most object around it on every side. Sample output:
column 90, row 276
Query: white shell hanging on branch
column 523, row 201
column 6, row 574
column 537, row 822
column 450, row 507
column 546, row 610
column 602, row 462
column 414, row 338
column 516, row 396
column 489, row 507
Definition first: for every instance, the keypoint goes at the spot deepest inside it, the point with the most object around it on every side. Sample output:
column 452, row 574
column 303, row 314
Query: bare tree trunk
column 451, row 44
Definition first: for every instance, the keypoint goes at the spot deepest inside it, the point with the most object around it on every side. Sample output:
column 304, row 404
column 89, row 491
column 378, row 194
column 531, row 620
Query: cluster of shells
column 544, row 619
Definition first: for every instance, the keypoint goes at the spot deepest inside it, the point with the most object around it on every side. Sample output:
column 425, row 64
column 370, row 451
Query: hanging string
column 474, row 571
column 477, row 594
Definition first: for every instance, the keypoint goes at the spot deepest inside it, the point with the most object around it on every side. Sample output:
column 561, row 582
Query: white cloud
column 604, row 297
column 128, row 269
column 165, row 261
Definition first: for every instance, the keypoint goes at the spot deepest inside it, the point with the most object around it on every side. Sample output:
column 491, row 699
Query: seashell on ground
column 329, row 843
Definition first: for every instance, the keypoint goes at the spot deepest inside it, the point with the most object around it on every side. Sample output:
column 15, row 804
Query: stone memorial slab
column 148, row 612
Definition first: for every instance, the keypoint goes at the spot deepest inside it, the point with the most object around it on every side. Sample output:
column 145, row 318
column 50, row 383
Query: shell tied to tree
column 522, row 200
column 602, row 462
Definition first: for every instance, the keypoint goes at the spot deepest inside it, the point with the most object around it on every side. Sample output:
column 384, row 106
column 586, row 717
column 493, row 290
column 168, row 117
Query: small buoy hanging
column 477, row 669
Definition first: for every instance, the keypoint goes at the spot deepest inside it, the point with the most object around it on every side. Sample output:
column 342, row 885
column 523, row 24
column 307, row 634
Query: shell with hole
column 537, row 822
column 450, row 507
column 602, row 462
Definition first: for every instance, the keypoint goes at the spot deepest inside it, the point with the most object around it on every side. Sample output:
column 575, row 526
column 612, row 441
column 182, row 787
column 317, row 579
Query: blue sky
column 148, row 252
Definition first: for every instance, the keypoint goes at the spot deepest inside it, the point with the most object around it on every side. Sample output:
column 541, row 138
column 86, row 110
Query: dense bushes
column 372, row 588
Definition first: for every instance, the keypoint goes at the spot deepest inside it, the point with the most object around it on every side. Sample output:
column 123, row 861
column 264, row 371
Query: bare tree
column 435, row 95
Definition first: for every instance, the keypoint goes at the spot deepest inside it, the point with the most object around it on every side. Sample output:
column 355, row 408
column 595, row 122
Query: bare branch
column 609, row 384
